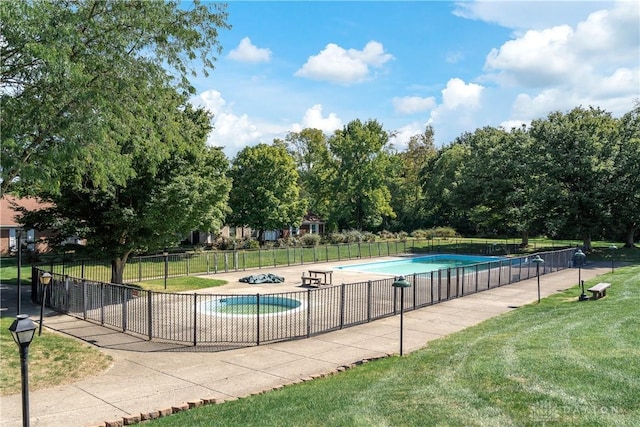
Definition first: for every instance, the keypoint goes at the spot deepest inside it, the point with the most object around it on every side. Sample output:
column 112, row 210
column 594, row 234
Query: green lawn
column 560, row 363
column 53, row 360
column 180, row 284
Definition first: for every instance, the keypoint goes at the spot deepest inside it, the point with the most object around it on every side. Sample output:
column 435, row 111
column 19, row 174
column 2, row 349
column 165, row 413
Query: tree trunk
column 586, row 241
column 630, row 232
column 525, row 239
column 117, row 268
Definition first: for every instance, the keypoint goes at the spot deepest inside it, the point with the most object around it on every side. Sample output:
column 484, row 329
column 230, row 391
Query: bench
column 312, row 281
column 599, row 290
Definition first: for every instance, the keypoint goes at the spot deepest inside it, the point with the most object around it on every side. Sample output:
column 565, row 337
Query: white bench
column 599, row 290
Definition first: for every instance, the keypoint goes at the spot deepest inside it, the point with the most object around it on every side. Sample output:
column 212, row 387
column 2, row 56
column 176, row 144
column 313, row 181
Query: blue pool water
column 241, row 305
column 423, row 264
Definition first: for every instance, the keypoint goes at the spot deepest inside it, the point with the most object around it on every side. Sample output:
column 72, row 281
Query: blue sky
column 456, row 66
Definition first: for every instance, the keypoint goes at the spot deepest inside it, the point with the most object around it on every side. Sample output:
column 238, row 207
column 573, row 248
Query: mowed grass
column 53, row 360
column 561, row 362
column 180, row 284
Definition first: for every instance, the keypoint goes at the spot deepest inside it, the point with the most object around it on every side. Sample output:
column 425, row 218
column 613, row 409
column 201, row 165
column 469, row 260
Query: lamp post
column 579, row 258
column 612, row 248
column 45, row 279
column 538, row 261
column 401, row 283
column 165, row 254
column 19, row 239
column 22, row 330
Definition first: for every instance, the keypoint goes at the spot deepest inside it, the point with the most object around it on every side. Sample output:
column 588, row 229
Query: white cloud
column 538, row 58
column 528, row 14
column 230, row 131
column 338, row 65
column 401, row 136
column 594, row 63
column 248, row 52
column 460, row 109
column 460, row 94
column 413, row 104
column 313, row 119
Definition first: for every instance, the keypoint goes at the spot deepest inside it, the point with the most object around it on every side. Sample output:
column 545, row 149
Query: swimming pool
column 423, row 264
column 248, row 305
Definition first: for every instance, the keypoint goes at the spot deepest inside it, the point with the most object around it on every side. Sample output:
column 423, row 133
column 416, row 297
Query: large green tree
column 441, row 177
column 265, row 193
column 361, row 164
column 575, row 162
column 499, row 182
column 624, row 185
column 74, row 80
column 310, row 151
column 177, row 187
column 407, row 196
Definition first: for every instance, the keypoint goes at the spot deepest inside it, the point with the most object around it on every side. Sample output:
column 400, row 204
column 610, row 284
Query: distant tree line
column 568, row 175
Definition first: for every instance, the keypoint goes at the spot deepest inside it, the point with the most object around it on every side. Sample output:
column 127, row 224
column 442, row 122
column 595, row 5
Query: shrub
column 444, row 232
column 310, row 239
column 419, row 234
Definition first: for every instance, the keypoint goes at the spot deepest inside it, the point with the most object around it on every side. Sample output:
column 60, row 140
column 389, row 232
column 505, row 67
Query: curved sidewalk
column 149, row 377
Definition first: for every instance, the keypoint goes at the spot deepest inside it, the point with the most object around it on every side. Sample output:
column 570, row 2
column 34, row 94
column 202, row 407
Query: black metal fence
column 216, row 321
column 140, row 268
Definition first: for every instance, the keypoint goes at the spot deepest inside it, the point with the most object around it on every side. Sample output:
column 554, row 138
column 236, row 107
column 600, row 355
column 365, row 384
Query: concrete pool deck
column 148, row 377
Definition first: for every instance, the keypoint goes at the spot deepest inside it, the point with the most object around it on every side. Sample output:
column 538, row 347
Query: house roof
column 8, row 203
column 311, row 218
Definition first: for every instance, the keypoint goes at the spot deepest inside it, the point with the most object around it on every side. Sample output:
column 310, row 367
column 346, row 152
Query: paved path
column 147, row 376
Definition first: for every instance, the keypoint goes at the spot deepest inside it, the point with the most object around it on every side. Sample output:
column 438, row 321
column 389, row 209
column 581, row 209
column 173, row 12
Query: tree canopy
column 178, row 187
column 265, row 193
column 75, row 79
column 361, row 163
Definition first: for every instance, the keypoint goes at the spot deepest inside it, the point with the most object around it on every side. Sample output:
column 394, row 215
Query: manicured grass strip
column 53, row 360
column 180, row 284
column 561, row 362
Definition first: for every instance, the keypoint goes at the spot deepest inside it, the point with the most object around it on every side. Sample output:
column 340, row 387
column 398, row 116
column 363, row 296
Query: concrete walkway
column 148, row 378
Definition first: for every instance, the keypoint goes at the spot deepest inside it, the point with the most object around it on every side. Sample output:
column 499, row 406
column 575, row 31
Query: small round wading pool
column 249, row 305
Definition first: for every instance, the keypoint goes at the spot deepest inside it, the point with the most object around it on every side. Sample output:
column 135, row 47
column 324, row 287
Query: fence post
column 342, row 291
column 369, row 284
column 186, row 259
column 101, row 299
column 215, row 262
column 226, row 262
column 207, row 262
column 309, row 302
column 195, row 319
column 244, row 260
column 415, row 291
column 257, row 319
column 431, row 284
column 150, row 315
column 459, row 291
column 259, row 258
column 139, row 269
column 275, row 258
column 449, row 283
column 235, row 259
column 124, row 308
column 489, row 275
column 84, row 300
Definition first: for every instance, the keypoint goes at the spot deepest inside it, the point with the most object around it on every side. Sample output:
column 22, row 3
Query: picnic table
column 313, row 278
